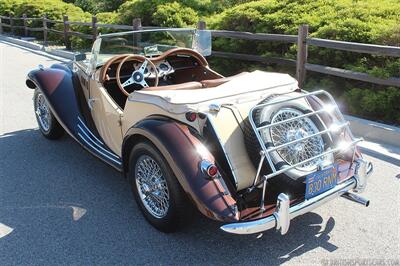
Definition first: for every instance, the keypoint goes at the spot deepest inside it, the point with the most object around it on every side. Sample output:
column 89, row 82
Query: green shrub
column 380, row 105
column 54, row 10
column 367, row 21
column 107, row 17
column 175, row 15
column 87, row 5
column 142, row 9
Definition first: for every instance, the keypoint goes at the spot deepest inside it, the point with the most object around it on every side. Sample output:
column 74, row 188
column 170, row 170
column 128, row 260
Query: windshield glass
column 148, row 43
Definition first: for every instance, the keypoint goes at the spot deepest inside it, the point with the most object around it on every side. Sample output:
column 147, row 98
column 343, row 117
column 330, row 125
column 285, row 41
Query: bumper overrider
column 280, row 219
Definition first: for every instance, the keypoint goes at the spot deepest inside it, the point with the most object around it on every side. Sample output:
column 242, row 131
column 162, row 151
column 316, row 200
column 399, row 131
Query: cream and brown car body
column 195, row 118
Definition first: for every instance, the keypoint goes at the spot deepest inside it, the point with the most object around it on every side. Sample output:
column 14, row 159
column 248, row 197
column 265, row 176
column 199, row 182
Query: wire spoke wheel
column 152, row 186
column 43, row 112
column 293, row 131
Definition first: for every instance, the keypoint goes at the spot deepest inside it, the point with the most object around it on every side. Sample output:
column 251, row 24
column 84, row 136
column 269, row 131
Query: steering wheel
column 137, row 76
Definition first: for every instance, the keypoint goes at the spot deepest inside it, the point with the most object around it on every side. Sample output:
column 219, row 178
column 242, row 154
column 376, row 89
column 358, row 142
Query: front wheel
column 157, row 191
column 48, row 124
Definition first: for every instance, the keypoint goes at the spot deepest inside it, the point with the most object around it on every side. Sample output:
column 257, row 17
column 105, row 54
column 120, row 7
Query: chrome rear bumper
column 280, row 219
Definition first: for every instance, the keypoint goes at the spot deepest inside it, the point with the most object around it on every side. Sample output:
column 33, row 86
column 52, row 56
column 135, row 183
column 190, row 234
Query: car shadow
column 62, row 206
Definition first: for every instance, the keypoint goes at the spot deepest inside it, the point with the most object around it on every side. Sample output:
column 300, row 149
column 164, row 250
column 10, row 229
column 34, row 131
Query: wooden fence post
column 302, row 53
column 94, row 28
column 201, row 25
column 44, row 30
column 66, row 30
column 12, row 25
column 25, row 25
column 137, row 23
column 1, row 26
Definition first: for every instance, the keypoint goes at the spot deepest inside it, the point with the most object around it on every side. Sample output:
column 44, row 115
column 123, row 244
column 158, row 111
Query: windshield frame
column 97, row 44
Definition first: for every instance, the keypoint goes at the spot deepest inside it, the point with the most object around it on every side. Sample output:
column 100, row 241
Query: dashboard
column 174, row 66
column 164, row 68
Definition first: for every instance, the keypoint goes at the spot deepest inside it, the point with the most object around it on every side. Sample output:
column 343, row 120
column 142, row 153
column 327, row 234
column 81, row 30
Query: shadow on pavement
column 65, row 207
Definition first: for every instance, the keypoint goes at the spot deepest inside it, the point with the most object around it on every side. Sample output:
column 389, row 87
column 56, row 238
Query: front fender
column 56, row 83
column 184, row 152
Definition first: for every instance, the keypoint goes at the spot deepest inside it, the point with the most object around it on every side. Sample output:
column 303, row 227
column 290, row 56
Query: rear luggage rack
column 331, row 109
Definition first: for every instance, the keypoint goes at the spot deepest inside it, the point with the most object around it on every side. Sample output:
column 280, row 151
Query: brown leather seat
column 193, row 85
column 211, row 83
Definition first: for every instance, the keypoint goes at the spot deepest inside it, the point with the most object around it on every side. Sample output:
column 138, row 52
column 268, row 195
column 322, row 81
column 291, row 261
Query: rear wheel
column 48, row 124
column 157, row 191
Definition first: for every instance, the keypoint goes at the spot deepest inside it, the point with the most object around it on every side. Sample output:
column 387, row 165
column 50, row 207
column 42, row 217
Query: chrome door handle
column 90, row 103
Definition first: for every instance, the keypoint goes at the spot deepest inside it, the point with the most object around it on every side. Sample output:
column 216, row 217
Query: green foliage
column 87, row 5
column 374, row 104
column 97, row 6
column 146, row 9
column 54, row 9
column 108, row 5
column 175, row 15
column 366, row 21
column 143, row 9
column 107, row 17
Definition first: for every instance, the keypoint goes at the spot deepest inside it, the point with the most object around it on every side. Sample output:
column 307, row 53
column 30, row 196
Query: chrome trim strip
column 257, row 226
column 102, row 148
column 90, row 132
column 105, row 155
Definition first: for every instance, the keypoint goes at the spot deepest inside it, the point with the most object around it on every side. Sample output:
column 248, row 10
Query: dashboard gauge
column 164, row 67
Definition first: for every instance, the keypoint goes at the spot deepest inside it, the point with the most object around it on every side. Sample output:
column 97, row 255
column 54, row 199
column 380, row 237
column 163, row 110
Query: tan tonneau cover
column 237, row 96
column 247, row 87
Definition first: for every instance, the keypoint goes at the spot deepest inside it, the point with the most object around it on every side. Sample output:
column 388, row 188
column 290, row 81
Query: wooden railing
column 303, row 40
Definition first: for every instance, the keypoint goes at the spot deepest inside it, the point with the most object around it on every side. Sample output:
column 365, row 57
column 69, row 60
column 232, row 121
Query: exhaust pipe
column 353, row 197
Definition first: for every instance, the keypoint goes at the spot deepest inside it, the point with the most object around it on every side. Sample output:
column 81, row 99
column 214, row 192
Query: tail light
column 209, row 168
column 191, row 116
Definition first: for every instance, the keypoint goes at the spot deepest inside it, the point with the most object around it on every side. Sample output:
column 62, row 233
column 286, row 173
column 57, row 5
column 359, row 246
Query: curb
column 62, row 53
column 26, row 44
column 369, row 130
column 374, row 131
column 38, row 47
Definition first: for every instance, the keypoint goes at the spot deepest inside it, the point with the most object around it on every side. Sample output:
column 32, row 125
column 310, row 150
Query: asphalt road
column 60, row 205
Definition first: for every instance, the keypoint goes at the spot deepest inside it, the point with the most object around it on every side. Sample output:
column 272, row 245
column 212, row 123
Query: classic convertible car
column 251, row 150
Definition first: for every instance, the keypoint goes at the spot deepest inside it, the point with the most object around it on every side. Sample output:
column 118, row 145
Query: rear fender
column 184, row 153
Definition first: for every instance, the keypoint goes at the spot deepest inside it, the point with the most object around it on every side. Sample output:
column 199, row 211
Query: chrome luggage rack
column 331, row 109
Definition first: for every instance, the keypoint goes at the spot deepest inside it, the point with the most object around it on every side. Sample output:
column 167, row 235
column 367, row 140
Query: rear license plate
column 321, row 181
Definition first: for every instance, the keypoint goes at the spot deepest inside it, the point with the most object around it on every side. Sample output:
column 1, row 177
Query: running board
column 96, row 146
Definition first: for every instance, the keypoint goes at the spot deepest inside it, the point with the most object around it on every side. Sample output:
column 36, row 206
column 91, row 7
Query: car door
column 106, row 115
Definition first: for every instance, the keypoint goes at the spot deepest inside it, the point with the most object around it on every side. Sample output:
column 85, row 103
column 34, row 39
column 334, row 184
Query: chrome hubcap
column 43, row 112
column 152, row 186
column 297, row 130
